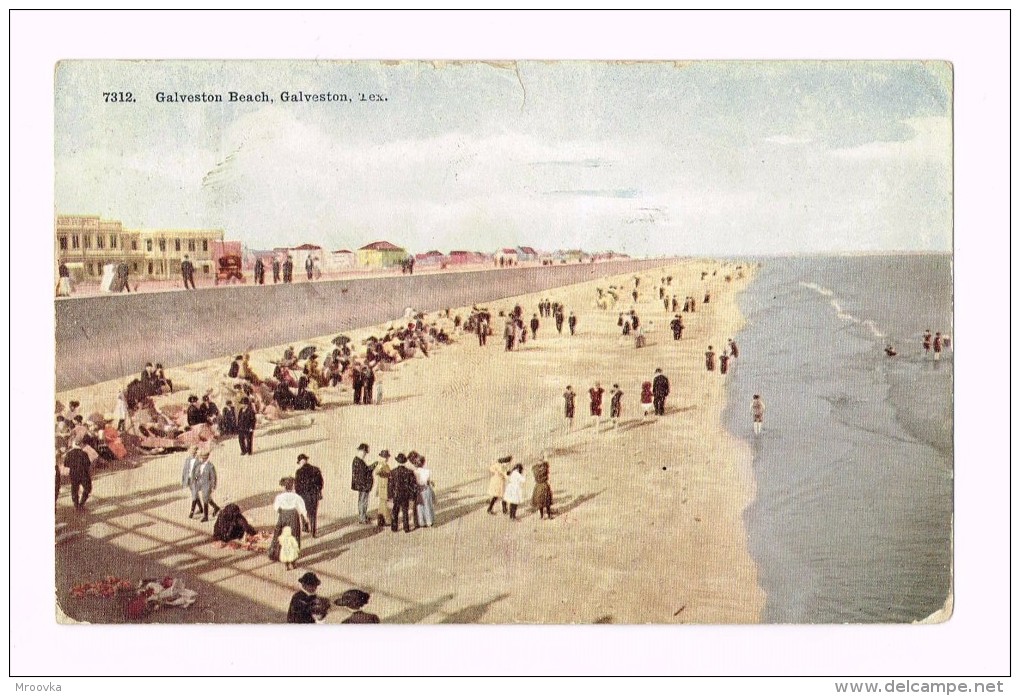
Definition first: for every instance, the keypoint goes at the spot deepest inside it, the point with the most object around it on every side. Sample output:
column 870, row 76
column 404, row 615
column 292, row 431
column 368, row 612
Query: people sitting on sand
column 235, row 367
column 890, row 351
column 247, row 373
column 231, row 524
column 163, row 383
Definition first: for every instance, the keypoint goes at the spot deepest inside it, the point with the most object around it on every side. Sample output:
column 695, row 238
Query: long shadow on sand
column 576, row 502
column 418, row 612
column 293, row 445
column 474, row 612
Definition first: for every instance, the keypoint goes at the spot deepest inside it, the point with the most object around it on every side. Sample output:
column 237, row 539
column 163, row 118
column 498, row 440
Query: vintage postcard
column 565, row 342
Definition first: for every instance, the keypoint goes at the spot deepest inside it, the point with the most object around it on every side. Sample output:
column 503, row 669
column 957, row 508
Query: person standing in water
column 757, row 413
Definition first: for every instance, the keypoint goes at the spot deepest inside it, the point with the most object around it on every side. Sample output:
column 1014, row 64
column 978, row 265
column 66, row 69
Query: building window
column 205, row 268
column 74, row 241
column 113, row 241
column 148, row 247
column 86, row 241
column 134, row 245
column 134, row 267
column 99, row 241
column 88, row 267
column 177, row 245
column 63, row 243
column 191, row 245
column 162, row 246
column 205, row 245
column 150, row 267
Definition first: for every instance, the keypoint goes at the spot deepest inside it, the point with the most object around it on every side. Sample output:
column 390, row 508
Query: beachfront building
column 431, row 259
column 339, row 260
column 506, row 256
column 86, row 243
column 381, row 254
column 461, row 258
column 526, row 253
column 300, row 254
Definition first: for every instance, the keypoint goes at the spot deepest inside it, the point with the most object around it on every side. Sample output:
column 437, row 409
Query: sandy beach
column 648, row 525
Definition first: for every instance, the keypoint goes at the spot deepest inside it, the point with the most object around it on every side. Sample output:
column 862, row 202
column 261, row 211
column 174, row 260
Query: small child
column 289, row 547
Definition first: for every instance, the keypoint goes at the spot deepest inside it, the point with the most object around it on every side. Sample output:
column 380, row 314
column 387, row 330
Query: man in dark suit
column 188, row 272
column 288, row 270
column 276, row 270
column 660, row 390
column 246, row 426
column 194, row 411
column 308, row 484
column 361, row 481
column 81, row 474
column 677, row 325
column 260, row 271
column 405, row 491
column 228, row 419
column 305, row 606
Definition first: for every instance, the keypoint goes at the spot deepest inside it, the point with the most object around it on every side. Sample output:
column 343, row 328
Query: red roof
column 343, row 251
column 380, row 246
column 460, row 253
column 307, row 247
column 509, row 251
column 529, row 250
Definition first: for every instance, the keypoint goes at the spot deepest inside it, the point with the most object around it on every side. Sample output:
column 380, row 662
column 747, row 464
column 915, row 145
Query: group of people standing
column 506, row 486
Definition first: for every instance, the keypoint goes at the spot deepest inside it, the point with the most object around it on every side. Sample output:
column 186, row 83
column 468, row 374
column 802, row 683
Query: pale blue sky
column 645, row 158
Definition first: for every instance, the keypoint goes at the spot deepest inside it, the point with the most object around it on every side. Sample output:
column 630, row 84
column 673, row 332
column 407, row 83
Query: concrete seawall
column 106, row 337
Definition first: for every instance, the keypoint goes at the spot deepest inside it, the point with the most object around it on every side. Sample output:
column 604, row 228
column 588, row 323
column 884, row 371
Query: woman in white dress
column 514, row 492
column 426, row 495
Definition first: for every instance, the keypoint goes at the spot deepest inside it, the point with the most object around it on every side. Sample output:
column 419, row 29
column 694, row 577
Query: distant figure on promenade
column 595, row 395
column 926, row 340
column 246, row 427
column 647, row 399
column 497, row 483
column 724, row 362
column 615, row 405
column 123, row 276
column 677, row 325
column 733, row 349
column 361, row 481
column 308, row 484
column 541, row 497
column 305, row 606
column 64, row 285
column 710, row 359
column 534, row 326
column 572, row 323
column 757, row 413
column 188, row 272
column 569, row 397
column 276, row 270
column 660, row 390
column 260, row 271
column 288, row 270
column 309, row 266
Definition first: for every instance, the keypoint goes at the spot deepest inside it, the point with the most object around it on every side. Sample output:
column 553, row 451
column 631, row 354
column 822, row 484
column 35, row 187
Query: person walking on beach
column 677, row 325
column 757, row 413
column 926, row 341
column 305, row 606
column 426, row 508
column 660, row 390
column 288, row 270
column 733, row 349
column 615, row 405
column 290, row 512
column 246, row 427
column 80, row 466
column 558, row 316
column 361, row 481
column 405, row 491
column 123, row 273
column 309, row 266
column 308, row 484
column 724, row 361
column 572, row 323
column 482, row 329
column 260, row 271
column 205, row 475
column 674, row 306
column 936, row 345
column 534, row 326
column 497, row 483
column 710, row 359
column 647, row 399
column 541, row 497
column 188, row 272
column 514, row 493
column 595, row 394
column 569, row 397
column 276, row 270
column 189, row 480
column 508, row 334
column 381, row 471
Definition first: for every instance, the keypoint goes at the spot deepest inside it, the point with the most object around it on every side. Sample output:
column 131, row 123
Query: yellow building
column 86, row 243
column 381, row 255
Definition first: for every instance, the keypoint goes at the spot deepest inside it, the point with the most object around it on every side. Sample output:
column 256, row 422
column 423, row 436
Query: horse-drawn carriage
column 229, row 269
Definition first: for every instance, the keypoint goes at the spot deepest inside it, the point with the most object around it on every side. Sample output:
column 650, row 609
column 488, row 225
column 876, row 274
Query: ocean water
column 852, row 518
